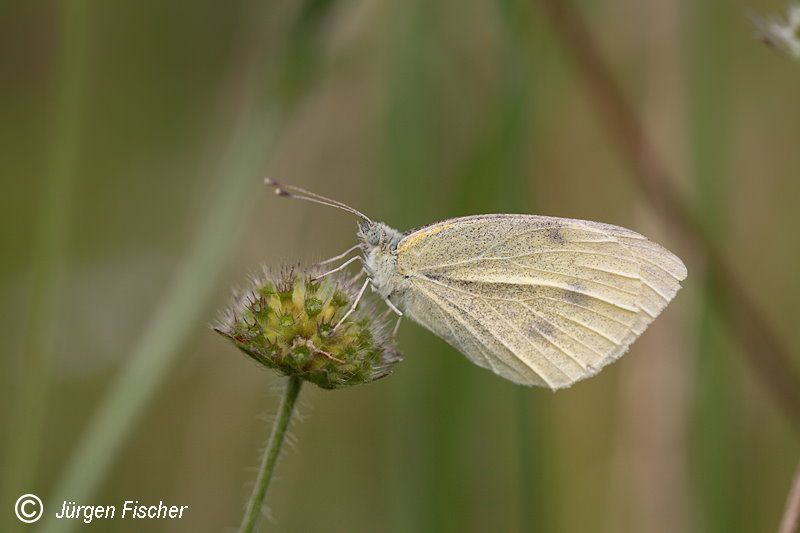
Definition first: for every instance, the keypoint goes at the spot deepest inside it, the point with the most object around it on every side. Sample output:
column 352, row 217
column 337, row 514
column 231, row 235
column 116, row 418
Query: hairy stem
column 271, row 454
column 765, row 351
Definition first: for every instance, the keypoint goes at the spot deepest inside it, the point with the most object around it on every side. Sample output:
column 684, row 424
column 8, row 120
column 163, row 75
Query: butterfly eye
column 374, row 236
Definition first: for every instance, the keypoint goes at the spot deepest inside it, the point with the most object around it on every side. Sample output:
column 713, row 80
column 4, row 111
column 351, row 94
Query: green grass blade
column 29, row 414
column 714, row 414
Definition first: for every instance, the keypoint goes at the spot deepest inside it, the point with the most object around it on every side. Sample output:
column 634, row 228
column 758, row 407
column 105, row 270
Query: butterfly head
column 378, row 235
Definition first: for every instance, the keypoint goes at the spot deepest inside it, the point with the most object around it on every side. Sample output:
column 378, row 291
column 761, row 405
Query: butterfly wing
column 538, row 300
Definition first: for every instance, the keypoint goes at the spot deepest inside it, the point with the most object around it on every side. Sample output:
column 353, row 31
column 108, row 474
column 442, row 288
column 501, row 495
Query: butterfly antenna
column 291, row 191
column 270, row 181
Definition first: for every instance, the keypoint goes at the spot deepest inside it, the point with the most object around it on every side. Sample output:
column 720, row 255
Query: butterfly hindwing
column 538, row 300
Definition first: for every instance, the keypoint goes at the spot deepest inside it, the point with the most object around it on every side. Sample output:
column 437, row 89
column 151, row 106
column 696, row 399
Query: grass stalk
column 715, row 399
column 267, row 468
column 186, row 299
column 30, row 413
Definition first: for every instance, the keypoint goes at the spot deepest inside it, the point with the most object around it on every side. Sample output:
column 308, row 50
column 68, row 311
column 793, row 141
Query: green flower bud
column 288, row 322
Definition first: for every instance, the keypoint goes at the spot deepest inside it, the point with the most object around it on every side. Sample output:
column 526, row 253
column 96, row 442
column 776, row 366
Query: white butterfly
column 538, row 300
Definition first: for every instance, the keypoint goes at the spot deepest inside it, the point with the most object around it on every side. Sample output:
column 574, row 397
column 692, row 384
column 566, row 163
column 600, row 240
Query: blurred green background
column 133, row 141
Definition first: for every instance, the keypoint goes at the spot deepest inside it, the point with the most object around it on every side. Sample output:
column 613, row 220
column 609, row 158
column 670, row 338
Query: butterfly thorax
column 379, row 243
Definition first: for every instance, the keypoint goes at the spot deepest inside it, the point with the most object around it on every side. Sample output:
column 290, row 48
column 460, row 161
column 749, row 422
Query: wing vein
column 621, row 274
column 527, row 254
column 568, row 334
column 550, row 227
column 464, row 291
column 582, row 278
column 643, row 258
column 587, row 327
column 530, row 365
column 435, row 299
column 598, row 313
column 545, row 337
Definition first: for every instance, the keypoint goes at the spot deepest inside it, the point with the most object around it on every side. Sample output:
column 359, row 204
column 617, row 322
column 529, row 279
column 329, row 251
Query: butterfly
column 537, row 300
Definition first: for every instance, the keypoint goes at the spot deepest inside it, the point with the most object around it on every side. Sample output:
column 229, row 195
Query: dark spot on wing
column 554, row 235
column 534, row 333
column 540, row 327
column 575, row 294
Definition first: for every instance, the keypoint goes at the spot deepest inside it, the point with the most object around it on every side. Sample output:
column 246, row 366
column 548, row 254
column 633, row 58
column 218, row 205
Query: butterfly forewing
column 538, row 300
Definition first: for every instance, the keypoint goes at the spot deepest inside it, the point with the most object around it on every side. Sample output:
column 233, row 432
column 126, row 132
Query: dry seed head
column 286, row 322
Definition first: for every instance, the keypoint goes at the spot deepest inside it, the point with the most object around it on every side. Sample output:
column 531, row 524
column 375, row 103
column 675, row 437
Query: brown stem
column 766, row 353
column 790, row 523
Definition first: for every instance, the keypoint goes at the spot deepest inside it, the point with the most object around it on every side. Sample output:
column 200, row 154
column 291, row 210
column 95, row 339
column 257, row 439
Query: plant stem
column 271, row 454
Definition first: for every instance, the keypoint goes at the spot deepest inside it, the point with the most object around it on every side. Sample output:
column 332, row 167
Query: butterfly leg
column 340, row 267
column 355, row 303
column 394, row 308
column 340, row 256
column 389, row 303
column 396, row 327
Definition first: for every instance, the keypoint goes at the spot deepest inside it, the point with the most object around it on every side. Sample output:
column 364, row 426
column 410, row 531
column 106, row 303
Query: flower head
column 288, row 322
column 782, row 35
